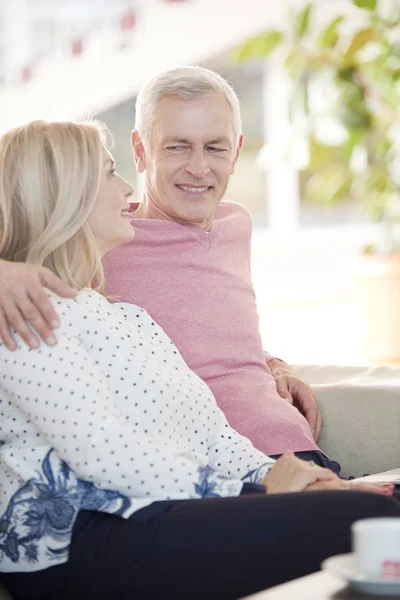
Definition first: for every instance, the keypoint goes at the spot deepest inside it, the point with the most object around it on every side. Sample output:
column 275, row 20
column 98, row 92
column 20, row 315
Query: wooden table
column 319, row 586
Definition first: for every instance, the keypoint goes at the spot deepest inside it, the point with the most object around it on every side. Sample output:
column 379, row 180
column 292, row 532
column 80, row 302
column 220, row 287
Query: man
column 189, row 264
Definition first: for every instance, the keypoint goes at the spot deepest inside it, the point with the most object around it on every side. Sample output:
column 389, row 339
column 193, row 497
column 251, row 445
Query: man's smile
column 194, row 189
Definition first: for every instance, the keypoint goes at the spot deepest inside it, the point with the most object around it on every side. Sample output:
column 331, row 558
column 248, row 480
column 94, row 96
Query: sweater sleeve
column 64, row 394
column 268, row 357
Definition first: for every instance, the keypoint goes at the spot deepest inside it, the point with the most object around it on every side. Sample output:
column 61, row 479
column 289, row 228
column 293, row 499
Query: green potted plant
column 346, row 79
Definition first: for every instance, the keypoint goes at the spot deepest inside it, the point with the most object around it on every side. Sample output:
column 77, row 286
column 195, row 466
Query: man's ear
column 138, row 150
column 238, row 149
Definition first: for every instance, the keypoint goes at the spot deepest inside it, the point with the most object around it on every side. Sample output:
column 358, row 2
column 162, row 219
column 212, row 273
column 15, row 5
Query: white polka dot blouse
column 109, row 419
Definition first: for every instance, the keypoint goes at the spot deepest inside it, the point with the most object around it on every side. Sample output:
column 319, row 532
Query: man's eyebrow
column 220, row 140
column 176, row 140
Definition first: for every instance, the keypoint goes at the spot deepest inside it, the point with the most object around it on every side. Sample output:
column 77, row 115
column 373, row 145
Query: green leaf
column 394, row 49
column 388, row 91
column 295, row 63
column 299, row 100
column 303, row 21
column 329, row 36
column 375, row 205
column 354, row 139
column 346, row 74
column 376, row 181
column 260, row 46
column 321, row 155
column 244, row 52
column 368, row 4
column 270, row 41
column 299, row 61
column 360, row 39
column 368, row 249
column 329, row 185
column 352, row 108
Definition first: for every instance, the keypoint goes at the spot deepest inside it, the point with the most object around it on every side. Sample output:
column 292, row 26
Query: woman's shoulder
column 68, row 309
column 87, row 307
column 85, row 299
column 73, row 315
column 131, row 310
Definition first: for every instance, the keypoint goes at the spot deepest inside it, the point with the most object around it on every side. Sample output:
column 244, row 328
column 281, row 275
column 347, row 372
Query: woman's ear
column 138, row 150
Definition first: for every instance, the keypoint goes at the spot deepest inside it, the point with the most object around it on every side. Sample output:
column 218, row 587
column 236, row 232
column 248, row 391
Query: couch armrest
column 360, row 407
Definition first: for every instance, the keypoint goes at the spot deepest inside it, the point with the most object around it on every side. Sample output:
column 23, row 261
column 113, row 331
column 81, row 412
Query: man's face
column 189, row 158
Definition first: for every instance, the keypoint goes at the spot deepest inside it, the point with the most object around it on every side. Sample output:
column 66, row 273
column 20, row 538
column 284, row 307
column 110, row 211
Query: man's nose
column 197, row 164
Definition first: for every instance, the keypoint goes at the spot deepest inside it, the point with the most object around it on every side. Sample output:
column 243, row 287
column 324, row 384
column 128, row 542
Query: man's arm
column 23, row 299
column 296, row 391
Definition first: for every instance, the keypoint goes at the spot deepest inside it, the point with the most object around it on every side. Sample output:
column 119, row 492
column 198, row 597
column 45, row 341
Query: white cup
column 376, row 544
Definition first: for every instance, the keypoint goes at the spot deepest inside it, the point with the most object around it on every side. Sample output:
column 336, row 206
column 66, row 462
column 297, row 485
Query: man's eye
column 213, row 149
column 176, row 148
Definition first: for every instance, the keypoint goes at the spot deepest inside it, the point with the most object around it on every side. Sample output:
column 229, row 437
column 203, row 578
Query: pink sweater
column 197, row 286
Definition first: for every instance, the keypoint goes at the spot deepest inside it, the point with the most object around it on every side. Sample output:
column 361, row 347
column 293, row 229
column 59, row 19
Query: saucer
column 344, row 566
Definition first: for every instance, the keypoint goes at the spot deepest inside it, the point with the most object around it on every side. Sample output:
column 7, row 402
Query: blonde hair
column 50, row 174
column 185, row 83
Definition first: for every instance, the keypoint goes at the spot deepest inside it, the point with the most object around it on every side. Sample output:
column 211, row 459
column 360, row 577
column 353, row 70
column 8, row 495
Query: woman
column 120, row 476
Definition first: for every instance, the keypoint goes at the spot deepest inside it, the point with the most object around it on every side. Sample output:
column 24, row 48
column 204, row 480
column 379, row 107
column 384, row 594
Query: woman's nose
column 129, row 191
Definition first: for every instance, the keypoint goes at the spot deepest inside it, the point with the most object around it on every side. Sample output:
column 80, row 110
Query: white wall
column 166, row 35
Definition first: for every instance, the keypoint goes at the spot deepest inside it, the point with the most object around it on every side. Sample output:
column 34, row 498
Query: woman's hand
column 290, row 474
column 340, row 484
column 23, row 299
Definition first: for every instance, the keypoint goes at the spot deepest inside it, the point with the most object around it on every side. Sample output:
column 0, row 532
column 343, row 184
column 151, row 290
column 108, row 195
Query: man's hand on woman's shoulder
column 23, row 299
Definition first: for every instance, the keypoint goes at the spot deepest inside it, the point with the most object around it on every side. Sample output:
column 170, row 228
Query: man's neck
column 149, row 210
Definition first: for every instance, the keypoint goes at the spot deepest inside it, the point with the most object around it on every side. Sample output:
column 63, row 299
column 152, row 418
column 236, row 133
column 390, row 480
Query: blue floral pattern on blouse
column 206, row 488
column 47, row 506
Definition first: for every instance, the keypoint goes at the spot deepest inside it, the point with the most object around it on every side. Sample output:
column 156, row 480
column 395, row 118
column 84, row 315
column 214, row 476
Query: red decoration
column 77, row 47
column 128, row 21
column 26, row 73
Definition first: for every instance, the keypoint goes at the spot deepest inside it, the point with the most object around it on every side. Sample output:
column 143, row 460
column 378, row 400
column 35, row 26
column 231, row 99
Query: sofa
column 360, row 408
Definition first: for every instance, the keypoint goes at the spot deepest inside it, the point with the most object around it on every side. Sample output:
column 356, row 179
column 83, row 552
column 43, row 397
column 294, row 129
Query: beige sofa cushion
column 360, row 407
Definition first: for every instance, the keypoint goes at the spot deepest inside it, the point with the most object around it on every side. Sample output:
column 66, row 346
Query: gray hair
column 185, row 83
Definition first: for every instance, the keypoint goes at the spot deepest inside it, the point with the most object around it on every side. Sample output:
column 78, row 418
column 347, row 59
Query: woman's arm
column 64, row 393
column 236, row 456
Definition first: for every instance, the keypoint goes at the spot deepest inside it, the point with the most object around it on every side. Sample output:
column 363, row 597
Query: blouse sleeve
column 234, row 454
column 64, row 394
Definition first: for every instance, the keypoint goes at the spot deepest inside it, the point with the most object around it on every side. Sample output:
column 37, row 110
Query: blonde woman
column 120, row 477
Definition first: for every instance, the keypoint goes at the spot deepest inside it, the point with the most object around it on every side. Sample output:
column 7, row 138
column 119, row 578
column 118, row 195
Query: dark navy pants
column 214, row 548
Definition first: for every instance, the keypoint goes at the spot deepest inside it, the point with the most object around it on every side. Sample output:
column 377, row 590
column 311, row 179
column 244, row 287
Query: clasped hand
column 290, row 474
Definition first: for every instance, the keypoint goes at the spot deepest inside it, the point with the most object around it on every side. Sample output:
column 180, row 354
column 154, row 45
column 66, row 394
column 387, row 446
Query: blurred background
column 318, row 85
